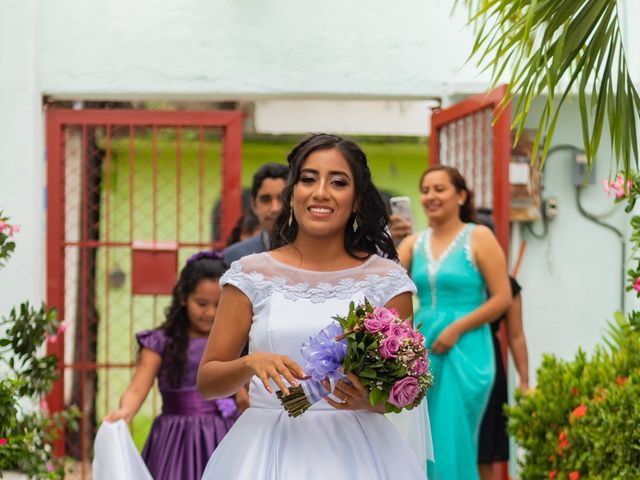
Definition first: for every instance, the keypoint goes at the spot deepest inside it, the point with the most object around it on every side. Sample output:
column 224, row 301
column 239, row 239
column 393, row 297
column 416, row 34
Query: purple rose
column 404, row 392
column 374, row 325
column 419, row 367
column 384, row 315
column 389, row 347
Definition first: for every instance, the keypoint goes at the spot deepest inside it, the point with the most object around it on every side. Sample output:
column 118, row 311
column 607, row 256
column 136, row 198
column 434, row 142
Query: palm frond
column 557, row 48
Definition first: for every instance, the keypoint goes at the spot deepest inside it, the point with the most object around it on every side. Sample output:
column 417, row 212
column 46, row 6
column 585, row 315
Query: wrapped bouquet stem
column 385, row 352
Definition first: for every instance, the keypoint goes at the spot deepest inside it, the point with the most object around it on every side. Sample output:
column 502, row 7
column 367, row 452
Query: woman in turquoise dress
column 453, row 263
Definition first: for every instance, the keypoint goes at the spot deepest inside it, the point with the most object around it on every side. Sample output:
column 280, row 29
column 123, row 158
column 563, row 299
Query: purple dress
column 185, row 434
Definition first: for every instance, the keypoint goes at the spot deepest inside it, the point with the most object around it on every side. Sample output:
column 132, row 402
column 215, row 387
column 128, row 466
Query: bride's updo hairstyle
column 371, row 235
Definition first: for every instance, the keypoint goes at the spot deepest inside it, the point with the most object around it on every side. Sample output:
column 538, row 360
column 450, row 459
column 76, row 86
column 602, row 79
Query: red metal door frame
column 501, row 155
column 56, row 120
column 501, row 129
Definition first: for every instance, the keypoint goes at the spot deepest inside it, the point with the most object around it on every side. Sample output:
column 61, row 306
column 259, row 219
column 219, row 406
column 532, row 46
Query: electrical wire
column 620, row 235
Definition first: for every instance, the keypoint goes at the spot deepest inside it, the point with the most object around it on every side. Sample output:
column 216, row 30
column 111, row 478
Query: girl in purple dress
column 188, row 430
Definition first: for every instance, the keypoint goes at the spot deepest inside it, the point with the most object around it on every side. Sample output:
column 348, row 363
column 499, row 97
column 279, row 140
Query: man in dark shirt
column 266, row 203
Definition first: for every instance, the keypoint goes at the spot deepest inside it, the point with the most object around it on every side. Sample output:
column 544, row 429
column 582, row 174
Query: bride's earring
column 290, row 217
column 355, row 224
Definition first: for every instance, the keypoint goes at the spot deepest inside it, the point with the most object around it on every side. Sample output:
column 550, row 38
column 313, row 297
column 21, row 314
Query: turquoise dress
column 450, row 288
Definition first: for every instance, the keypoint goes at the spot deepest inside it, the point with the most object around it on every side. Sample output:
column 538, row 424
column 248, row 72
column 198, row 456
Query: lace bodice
column 291, row 304
column 258, row 276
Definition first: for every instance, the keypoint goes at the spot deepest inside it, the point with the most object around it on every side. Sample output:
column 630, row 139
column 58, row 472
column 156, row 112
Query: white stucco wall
column 21, row 152
column 353, row 117
column 253, row 49
column 571, row 279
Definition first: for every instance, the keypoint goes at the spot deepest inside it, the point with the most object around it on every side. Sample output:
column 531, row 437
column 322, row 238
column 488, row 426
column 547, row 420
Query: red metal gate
column 130, row 196
column 474, row 136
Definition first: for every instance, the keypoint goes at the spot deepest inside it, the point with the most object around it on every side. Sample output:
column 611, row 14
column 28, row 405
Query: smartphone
column 401, row 206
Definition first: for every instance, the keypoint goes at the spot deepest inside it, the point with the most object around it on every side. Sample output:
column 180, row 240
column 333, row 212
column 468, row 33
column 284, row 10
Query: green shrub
column 583, row 418
column 27, row 432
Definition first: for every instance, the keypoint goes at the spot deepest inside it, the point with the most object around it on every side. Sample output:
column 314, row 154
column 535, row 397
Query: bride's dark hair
column 372, row 235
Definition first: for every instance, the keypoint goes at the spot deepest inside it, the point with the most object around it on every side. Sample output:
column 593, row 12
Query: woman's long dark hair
column 371, row 236
column 209, row 266
column 467, row 210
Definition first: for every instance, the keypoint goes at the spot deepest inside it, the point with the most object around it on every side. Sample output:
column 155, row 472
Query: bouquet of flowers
column 385, row 352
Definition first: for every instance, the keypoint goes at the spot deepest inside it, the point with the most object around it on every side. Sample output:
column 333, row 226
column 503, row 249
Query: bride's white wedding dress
column 289, row 306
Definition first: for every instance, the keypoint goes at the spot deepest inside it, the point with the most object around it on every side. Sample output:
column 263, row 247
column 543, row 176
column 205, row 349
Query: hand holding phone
column 401, row 209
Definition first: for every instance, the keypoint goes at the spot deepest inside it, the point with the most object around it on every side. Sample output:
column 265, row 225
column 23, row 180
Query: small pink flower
column 389, row 347
column 606, row 186
column 3, row 225
column 53, row 339
column 3, row 441
column 50, row 467
column 44, row 406
column 404, row 392
column 419, row 367
column 62, row 327
column 636, row 284
column 417, row 338
column 13, row 230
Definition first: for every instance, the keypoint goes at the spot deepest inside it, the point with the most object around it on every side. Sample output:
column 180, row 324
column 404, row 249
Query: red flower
column 563, row 442
column 552, row 474
column 579, row 411
column 622, row 380
column 575, row 475
column 3, row 441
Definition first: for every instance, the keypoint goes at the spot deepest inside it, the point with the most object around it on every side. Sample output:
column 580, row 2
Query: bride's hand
column 354, row 396
column 266, row 365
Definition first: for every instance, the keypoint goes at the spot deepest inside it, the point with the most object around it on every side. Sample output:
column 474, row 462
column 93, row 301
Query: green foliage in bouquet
column 26, row 431
column 583, row 419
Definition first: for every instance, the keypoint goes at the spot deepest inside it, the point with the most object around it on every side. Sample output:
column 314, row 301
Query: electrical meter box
column 524, row 180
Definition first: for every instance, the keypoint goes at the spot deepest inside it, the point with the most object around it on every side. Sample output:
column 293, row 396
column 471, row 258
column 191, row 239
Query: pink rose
column 389, row 347
column 419, row 367
column 404, row 392
column 394, row 330
column 636, row 284
column 374, row 325
column 384, row 315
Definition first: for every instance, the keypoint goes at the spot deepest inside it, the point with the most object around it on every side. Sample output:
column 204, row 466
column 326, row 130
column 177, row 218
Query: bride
column 330, row 247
